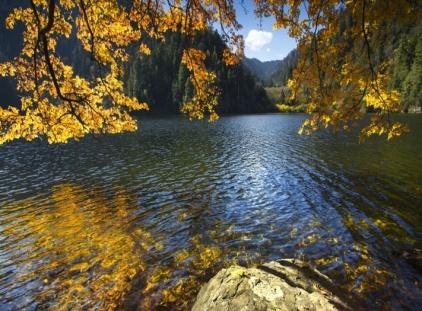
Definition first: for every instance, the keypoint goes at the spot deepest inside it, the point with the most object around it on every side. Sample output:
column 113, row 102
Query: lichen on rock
column 284, row 285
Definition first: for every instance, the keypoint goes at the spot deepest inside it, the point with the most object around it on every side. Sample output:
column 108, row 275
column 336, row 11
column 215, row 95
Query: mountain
column 262, row 70
column 283, row 72
column 275, row 72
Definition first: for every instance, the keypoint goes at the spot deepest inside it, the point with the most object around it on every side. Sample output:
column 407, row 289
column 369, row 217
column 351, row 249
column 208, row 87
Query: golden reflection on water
column 363, row 275
column 82, row 251
column 197, row 260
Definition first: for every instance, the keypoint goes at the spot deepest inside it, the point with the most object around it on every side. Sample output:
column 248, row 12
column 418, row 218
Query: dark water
column 139, row 221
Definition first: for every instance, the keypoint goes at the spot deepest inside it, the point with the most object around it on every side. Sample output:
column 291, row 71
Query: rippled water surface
column 140, row 220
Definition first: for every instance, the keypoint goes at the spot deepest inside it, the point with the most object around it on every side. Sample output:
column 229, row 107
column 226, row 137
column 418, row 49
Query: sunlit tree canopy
column 337, row 76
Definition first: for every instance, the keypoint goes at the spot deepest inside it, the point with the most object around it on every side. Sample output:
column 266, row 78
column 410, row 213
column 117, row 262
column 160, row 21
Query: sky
column 261, row 40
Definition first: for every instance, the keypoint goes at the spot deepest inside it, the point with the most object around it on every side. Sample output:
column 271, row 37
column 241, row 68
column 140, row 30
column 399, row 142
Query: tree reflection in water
column 86, row 248
column 81, row 251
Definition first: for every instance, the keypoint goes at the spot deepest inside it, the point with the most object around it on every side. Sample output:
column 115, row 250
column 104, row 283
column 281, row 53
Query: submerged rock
column 412, row 256
column 284, row 285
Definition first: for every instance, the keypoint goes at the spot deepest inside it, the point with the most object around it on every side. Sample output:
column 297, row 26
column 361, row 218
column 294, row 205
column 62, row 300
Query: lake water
column 141, row 220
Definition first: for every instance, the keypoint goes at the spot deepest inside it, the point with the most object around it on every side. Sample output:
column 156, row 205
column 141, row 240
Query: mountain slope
column 162, row 81
column 283, row 72
column 262, row 70
column 275, row 72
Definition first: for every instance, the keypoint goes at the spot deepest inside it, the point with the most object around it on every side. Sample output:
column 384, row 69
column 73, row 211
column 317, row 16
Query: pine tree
column 403, row 60
column 412, row 86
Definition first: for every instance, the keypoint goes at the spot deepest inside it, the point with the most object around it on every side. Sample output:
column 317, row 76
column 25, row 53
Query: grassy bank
column 274, row 93
column 278, row 96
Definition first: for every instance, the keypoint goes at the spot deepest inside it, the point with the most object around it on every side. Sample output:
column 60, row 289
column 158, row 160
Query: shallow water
column 140, row 220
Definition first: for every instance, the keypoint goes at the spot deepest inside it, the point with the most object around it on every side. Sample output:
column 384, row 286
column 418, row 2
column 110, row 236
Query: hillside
column 162, row 81
column 283, row 72
column 275, row 72
column 262, row 70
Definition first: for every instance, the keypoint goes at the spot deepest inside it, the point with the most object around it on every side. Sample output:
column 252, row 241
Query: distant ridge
column 275, row 72
column 262, row 70
column 284, row 71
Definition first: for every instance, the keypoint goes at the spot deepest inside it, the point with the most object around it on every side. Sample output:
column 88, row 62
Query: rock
column 412, row 256
column 284, row 285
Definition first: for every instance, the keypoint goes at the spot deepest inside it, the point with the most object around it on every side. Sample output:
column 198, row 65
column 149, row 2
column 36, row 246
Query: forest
column 163, row 81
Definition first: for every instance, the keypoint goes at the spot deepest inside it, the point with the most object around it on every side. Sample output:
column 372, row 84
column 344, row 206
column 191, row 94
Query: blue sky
column 261, row 41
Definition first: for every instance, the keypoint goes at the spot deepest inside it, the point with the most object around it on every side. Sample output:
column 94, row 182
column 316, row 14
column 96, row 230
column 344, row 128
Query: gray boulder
column 284, row 285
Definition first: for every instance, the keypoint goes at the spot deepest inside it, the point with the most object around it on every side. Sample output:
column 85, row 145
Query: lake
column 139, row 221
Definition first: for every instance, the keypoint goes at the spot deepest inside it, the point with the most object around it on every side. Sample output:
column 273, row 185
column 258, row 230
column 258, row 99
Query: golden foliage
column 337, row 76
column 337, row 80
column 230, row 58
column 60, row 105
column 205, row 98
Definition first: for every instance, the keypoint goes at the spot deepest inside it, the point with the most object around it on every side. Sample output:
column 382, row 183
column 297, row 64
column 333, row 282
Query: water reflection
column 79, row 252
column 79, row 249
column 140, row 221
